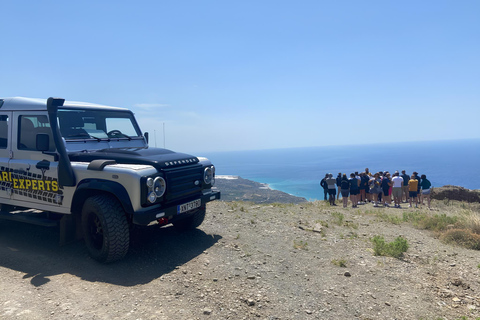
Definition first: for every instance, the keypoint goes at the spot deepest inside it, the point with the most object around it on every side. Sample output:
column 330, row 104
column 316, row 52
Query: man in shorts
column 405, row 178
column 412, row 191
column 332, row 189
column 397, row 189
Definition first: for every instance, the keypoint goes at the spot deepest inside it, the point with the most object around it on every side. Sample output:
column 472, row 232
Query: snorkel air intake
column 66, row 176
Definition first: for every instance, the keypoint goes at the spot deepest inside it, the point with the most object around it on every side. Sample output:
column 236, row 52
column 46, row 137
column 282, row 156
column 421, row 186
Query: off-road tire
column 105, row 228
column 191, row 222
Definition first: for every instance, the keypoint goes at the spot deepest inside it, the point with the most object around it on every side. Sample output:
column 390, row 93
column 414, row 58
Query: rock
column 207, row 311
column 457, row 282
column 308, row 311
column 347, row 274
column 317, row 228
column 250, row 302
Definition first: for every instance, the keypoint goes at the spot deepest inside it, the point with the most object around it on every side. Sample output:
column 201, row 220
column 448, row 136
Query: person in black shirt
column 324, row 185
column 339, row 180
column 405, row 178
column 345, row 189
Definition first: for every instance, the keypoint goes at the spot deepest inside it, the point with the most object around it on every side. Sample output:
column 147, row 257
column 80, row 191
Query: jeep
column 88, row 169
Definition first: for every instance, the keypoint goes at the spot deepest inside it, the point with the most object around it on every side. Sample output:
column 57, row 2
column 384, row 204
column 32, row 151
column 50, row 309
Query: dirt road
column 246, row 261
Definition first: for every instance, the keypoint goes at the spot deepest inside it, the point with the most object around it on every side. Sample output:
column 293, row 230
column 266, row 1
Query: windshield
column 80, row 124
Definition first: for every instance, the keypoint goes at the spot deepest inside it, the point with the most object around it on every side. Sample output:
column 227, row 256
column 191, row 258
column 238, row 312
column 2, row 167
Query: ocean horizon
column 298, row 171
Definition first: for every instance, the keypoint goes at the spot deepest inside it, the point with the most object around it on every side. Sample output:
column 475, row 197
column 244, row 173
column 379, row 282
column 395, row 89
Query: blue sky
column 242, row 75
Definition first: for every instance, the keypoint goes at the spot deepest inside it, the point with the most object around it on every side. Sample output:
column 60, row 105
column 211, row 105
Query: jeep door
column 5, row 147
column 33, row 172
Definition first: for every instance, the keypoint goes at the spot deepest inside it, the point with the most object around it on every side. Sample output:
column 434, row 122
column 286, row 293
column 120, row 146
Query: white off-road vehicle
column 89, row 169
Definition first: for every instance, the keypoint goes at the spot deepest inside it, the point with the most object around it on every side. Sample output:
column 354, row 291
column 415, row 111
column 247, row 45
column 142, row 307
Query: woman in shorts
column 354, row 190
column 375, row 188
column 345, row 189
column 425, row 184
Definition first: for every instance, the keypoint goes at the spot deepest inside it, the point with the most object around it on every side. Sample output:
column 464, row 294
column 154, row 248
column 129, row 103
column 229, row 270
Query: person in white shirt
column 397, row 189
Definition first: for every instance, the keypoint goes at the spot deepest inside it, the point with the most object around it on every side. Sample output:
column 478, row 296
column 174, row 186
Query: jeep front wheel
column 105, row 228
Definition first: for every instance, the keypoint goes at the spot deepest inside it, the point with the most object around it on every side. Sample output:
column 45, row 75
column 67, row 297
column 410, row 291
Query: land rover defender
column 88, row 168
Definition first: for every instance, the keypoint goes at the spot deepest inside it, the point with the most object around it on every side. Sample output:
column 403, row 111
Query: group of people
column 378, row 188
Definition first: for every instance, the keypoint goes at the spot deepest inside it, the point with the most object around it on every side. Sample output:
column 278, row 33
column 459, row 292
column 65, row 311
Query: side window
column 28, row 129
column 3, row 131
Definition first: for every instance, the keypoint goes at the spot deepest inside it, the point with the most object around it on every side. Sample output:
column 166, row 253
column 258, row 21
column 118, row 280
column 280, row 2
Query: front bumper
column 147, row 217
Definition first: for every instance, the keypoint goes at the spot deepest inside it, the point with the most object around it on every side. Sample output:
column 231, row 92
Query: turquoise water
column 298, row 171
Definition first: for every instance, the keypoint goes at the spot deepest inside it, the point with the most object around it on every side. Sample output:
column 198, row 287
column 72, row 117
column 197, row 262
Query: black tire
column 191, row 222
column 105, row 228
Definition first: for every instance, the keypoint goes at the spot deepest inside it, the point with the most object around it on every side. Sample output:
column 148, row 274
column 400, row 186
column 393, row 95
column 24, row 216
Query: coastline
column 235, row 188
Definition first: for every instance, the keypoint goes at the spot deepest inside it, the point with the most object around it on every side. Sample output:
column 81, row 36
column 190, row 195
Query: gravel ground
column 246, row 261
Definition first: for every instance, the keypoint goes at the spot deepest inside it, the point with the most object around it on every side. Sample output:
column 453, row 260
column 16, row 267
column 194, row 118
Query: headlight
column 159, row 186
column 150, row 182
column 209, row 175
column 155, row 189
column 152, row 197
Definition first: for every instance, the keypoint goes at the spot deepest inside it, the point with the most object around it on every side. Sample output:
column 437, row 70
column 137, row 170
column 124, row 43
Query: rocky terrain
column 456, row 193
column 248, row 261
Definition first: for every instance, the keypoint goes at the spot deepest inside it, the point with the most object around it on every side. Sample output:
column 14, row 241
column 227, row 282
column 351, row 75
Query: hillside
column 250, row 261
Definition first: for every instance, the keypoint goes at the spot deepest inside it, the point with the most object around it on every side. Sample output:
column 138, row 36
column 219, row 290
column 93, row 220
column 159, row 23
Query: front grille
column 181, row 182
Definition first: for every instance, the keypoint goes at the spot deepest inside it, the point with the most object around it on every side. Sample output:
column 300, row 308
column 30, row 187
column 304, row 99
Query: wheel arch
column 90, row 187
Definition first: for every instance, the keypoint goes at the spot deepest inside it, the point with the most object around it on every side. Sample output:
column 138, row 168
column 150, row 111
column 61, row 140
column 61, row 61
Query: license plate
column 189, row 206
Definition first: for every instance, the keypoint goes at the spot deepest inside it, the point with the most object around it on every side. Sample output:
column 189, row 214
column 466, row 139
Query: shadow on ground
column 35, row 251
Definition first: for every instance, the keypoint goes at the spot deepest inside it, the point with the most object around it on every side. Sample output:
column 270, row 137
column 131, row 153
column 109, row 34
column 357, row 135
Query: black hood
column 157, row 157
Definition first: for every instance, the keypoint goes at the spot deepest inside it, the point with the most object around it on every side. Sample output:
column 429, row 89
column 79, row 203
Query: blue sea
column 298, row 171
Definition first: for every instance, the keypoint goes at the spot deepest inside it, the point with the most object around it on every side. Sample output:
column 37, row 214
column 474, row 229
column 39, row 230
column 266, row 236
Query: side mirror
column 146, row 136
column 43, row 142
